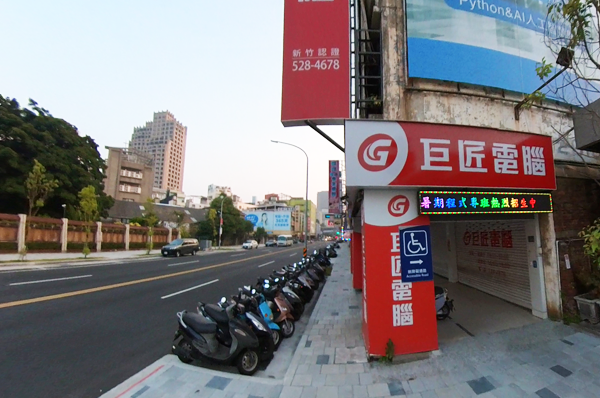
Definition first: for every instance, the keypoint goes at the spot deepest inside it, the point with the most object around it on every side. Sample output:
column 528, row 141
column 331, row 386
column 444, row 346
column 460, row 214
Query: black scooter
column 196, row 338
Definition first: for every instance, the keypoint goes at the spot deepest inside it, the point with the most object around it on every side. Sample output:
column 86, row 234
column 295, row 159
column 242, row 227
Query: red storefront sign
column 436, row 155
column 403, row 311
column 334, row 187
column 316, row 62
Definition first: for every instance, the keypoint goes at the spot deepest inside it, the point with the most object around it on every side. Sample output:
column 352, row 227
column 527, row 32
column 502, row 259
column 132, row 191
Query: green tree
column 74, row 161
column 260, row 234
column 207, row 229
column 39, row 186
column 180, row 224
column 88, row 210
column 234, row 225
column 152, row 222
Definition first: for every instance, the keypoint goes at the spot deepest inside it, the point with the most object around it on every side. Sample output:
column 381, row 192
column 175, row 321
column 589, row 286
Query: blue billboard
column 270, row 220
column 493, row 43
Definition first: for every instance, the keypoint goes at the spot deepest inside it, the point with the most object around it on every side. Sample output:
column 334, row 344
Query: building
column 159, row 194
column 123, row 211
column 196, row 202
column 214, row 191
column 323, row 201
column 129, row 175
column 297, row 205
column 164, row 138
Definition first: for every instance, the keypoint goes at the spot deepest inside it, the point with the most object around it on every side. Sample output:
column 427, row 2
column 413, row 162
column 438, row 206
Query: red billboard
column 334, row 187
column 437, row 155
column 316, row 62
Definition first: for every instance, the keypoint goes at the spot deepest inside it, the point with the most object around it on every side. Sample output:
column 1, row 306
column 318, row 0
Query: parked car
column 250, row 244
column 180, row 247
column 271, row 243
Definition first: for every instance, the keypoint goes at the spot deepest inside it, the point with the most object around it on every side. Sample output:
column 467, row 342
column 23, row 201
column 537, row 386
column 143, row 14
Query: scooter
column 264, row 311
column 280, row 306
column 196, row 338
column 443, row 305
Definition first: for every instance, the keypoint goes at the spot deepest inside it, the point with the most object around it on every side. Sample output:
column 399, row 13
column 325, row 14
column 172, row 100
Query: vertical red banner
column 316, row 62
column 334, row 187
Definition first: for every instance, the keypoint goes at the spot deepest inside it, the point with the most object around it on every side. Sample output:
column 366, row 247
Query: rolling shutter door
column 492, row 257
column 439, row 250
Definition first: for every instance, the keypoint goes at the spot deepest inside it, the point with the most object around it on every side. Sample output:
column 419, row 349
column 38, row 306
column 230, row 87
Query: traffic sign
column 415, row 254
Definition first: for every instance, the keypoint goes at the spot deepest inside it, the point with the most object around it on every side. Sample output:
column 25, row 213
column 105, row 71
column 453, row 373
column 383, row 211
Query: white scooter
column 443, row 305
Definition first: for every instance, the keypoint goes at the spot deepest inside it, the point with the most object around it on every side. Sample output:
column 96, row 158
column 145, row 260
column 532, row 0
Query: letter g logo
column 377, row 152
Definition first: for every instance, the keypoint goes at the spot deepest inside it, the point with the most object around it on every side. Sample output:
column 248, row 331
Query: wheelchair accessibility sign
column 415, row 254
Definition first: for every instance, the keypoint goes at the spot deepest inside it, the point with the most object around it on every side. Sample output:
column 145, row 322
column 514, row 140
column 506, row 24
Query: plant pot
column 589, row 307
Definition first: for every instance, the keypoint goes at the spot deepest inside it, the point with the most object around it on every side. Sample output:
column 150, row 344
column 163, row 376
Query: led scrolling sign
column 452, row 202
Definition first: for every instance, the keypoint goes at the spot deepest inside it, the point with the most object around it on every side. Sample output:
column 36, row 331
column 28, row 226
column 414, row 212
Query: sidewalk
column 544, row 359
column 46, row 260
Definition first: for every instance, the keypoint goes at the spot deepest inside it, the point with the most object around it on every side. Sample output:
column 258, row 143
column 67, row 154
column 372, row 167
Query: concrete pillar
column 393, row 57
column 126, row 236
column 21, row 232
column 179, row 233
column 64, row 234
column 170, row 238
column 550, row 265
column 99, row 236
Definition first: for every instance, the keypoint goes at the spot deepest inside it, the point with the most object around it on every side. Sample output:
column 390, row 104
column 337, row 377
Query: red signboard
column 316, row 62
column 437, row 155
column 334, row 187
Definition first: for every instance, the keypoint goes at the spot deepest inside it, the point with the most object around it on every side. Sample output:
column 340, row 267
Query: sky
column 107, row 66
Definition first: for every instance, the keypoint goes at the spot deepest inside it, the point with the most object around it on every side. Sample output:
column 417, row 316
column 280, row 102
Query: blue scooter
column 261, row 308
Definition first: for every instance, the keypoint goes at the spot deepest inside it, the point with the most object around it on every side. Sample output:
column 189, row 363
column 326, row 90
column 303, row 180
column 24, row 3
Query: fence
column 42, row 234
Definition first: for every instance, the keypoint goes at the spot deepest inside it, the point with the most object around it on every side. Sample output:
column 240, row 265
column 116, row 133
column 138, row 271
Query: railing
column 131, row 174
column 129, row 188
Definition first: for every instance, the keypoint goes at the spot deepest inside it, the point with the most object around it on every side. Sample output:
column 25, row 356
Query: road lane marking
column 187, row 262
column 292, row 255
column 237, row 255
column 262, row 265
column 49, row 280
column 123, row 284
column 189, row 289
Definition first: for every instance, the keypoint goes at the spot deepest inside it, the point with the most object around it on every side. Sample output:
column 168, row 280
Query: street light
column 306, row 203
column 64, row 206
column 221, row 221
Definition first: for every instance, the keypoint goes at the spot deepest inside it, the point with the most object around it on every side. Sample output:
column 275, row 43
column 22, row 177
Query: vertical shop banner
column 316, row 62
column 334, row 187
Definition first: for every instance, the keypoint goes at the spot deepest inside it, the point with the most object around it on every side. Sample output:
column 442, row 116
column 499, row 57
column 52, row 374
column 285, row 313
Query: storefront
column 458, row 201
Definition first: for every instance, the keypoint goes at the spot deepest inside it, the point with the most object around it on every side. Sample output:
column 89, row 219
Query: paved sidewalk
column 545, row 359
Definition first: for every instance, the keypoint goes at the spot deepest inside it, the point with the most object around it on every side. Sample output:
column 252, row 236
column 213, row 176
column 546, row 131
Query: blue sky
column 106, row 66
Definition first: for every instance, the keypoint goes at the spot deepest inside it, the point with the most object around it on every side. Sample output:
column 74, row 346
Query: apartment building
column 129, row 175
column 164, row 139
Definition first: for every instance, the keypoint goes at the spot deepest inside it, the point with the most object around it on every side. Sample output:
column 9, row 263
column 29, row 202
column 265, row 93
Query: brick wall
column 576, row 205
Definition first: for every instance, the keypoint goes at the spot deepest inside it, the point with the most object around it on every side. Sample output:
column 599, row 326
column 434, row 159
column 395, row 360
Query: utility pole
column 221, row 220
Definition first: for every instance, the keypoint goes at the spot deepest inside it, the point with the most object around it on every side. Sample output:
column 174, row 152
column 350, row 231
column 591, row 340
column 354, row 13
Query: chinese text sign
column 334, row 187
column 445, row 202
column 316, row 62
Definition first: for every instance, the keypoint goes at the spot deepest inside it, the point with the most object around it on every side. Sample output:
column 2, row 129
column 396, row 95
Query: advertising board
column 495, row 43
column 435, row 155
column 316, row 62
column 444, row 202
column 335, row 203
column 270, row 220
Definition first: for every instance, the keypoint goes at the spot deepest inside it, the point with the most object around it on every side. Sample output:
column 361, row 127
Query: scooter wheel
column 184, row 350
column 247, row 362
column 287, row 328
column 444, row 312
column 277, row 338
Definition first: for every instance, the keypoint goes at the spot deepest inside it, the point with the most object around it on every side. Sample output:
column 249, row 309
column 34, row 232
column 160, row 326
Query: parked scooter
column 282, row 309
column 264, row 311
column 443, row 304
column 197, row 339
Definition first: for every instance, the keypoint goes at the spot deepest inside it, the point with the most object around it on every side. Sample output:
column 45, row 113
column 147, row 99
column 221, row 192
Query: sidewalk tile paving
column 545, row 359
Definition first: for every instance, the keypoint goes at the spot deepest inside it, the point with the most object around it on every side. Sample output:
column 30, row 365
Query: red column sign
column 316, row 62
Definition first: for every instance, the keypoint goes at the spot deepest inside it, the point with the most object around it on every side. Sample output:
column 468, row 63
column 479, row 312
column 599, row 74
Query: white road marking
column 187, row 262
column 187, row 290
column 50, row 280
column 262, row 265
column 292, row 255
column 237, row 255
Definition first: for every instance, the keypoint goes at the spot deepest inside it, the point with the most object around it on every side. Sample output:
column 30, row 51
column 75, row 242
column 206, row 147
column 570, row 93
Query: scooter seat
column 199, row 323
column 217, row 313
column 438, row 290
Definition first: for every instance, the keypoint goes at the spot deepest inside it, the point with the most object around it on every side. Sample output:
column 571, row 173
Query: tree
column 74, row 161
column 234, row 226
column 39, row 187
column 88, row 210
column 207, row 229
column 180, row 224
column 260, row 234
column 152, row 221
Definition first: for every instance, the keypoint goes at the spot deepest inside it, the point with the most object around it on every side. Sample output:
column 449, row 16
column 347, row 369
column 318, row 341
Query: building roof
column 128, row 210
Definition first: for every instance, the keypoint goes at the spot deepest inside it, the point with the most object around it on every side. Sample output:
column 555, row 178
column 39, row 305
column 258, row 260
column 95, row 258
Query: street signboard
column 415, row 254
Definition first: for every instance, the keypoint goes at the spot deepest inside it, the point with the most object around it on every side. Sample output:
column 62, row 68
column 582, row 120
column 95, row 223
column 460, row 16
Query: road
column 81, row 330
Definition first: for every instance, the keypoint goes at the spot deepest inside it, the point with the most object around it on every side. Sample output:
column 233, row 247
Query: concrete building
column 297, row 205
column 159, row 194
column 164, row 138
column 323, row 201
column 196, row 202
column 129, row 175
column 214, row 191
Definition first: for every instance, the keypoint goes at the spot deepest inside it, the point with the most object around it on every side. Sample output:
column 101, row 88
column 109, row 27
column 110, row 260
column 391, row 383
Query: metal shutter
column 439, row 250
column 488, row 264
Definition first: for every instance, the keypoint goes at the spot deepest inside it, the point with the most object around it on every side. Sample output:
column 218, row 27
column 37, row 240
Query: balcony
column 130, row 189
column 131, row 174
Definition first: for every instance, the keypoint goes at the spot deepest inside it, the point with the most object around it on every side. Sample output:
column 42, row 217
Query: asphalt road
column 80, row 331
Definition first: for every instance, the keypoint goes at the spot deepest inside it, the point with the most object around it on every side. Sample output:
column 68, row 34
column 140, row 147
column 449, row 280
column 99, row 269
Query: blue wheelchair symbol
column 415, row 243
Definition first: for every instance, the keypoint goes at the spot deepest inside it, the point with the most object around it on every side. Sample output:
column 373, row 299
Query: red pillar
column 357, row 261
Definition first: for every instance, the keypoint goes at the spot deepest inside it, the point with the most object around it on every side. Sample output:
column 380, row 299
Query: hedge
column 55, row 246
column 137, row 245
column 113, row 246
column 9, row 246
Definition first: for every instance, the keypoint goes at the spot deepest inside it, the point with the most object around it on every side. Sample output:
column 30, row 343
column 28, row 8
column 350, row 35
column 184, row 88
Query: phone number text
column 323, row 64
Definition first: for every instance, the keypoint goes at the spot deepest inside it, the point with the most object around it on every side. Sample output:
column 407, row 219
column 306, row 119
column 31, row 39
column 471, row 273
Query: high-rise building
column 163, row 139
column 323, row 201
